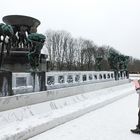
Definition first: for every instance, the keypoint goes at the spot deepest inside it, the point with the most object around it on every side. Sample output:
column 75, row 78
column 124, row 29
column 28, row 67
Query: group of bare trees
column 134, row 65
column 62, row 50
column 68, row 53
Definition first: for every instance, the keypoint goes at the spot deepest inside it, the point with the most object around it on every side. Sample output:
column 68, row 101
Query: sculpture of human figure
column 14, row 39
column 22, row 37
column 37, row 41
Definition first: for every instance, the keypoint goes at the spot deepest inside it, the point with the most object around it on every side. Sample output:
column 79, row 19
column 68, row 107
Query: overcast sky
column 106, row 22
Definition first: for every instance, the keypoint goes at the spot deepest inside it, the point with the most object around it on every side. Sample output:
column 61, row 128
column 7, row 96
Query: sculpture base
column 17, row 61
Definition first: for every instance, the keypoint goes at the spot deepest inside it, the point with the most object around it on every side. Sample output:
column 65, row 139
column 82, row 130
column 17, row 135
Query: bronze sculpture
column 37, row 41
column 118, row 62
column 18, row 39
column 20, row 46
column 5, row 31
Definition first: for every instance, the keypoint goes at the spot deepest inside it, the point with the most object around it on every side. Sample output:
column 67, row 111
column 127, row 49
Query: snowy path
column 112, row 122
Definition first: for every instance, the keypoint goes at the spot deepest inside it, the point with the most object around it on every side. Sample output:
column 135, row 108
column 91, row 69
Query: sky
column 107, row 22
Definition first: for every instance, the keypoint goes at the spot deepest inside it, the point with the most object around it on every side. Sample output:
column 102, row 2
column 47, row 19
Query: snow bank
column 25, row 122
column 20, row 100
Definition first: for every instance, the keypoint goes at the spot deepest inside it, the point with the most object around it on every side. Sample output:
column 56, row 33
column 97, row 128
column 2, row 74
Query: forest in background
column 67, row 53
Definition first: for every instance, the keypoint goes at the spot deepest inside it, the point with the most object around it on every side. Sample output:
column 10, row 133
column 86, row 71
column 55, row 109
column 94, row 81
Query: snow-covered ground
column 112, row 122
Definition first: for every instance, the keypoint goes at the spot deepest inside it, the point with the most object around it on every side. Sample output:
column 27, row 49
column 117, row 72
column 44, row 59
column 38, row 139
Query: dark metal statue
column 22, row 37
column 14, row 39
column 6, row 31
column 22, row 26
column 37, row 41
column 126, row 66
column 118, row 62
column 98, row 61
column 113, row 60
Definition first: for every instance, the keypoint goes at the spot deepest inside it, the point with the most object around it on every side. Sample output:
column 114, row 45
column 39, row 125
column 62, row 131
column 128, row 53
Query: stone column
column 38, row 81
column 6, row 83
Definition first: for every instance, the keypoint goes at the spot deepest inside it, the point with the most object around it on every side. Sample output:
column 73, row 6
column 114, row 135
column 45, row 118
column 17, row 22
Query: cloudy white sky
column 106, row 22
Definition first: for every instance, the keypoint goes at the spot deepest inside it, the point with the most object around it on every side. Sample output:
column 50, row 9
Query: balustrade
column 65, row 79
column 74, row 78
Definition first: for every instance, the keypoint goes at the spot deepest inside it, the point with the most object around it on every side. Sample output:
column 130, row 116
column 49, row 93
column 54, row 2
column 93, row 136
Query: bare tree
column 51, row 46
column 70, row 56
column 88, row 54
column 61, row 48
column 68, row 53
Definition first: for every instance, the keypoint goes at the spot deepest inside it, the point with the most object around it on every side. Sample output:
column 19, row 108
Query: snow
column 112, row 122
column 43, row 120
column 44, row 50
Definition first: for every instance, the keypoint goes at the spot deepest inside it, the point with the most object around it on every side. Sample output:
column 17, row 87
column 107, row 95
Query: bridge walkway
column 112, row 122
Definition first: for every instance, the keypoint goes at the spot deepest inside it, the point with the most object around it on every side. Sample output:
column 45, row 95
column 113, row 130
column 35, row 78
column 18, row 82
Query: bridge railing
column 64, row 79
column 23, row 82
column 134, row 76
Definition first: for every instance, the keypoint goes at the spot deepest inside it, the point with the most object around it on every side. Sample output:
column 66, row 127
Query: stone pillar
column 65, row 78
column 127, row 74
column 116, row 75
column 55, row 79
column 121, row 74
column 38, row 81
column 81, row 78
column 6, row 83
